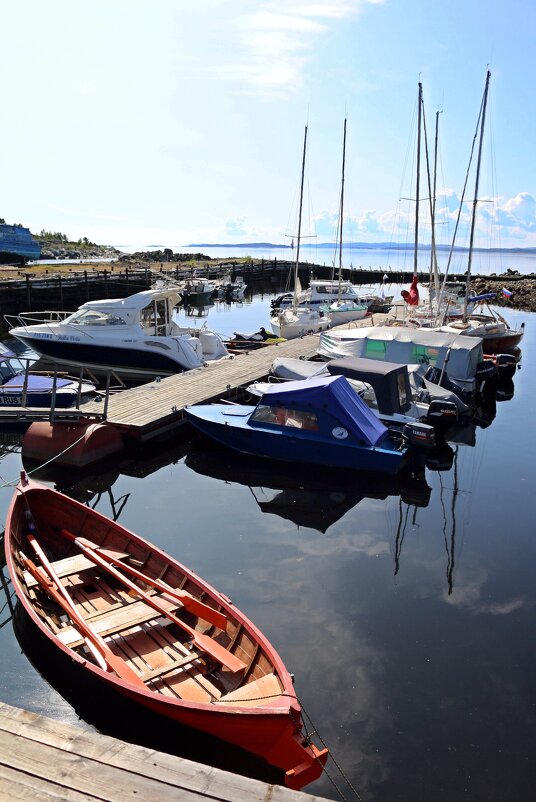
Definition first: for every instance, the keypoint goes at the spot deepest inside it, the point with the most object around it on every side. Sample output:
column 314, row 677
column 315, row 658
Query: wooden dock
column 43, row 760
column 151, row 409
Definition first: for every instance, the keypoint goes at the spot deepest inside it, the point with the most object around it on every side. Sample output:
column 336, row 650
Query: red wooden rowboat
column 152, row 630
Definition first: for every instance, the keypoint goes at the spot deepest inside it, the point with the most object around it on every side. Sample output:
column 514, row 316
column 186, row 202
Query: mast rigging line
column 462, row 200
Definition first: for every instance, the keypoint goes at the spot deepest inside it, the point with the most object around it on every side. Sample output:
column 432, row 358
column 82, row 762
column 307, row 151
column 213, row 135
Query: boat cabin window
column 153, row 317
column 425, row 355
column 282, row 416
column 375, row 349
column 6, row 372
column 402, row 390
column 95, row 317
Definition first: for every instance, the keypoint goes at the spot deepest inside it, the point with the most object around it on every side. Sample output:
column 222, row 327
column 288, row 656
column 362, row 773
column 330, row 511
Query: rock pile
column 523, row 289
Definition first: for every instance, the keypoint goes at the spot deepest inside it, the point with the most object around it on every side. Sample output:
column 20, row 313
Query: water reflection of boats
column 449, row 537
column 306, row 498
column 198, row 311
column 91, row 483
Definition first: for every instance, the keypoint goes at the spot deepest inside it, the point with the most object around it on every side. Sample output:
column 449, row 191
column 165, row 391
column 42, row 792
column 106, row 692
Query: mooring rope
column 335, row 761
column 44, row 464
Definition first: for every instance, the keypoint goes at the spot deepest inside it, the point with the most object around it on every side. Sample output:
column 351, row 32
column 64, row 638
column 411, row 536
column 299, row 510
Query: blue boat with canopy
column 321, row 422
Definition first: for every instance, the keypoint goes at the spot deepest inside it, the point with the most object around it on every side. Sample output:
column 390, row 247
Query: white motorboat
column 298, row 321
column 133, row 337
column 231, row 290
column 197, row 292
column 325, row 292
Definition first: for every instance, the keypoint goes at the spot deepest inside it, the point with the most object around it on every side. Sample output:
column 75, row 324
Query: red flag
column 411, row 297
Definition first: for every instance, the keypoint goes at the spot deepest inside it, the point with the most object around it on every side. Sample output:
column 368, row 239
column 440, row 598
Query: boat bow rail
column 24, row 319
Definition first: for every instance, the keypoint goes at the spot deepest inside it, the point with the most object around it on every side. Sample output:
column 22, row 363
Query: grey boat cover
column 290, row 368
column 333, row 395
column 406, row 345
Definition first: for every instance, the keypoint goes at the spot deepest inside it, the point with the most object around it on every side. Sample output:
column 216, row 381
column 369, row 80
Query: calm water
column 483, row 263
column 405, row 609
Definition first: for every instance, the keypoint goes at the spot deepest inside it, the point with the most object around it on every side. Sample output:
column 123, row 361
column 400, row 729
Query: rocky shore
column 523, row 289
column 52, row 250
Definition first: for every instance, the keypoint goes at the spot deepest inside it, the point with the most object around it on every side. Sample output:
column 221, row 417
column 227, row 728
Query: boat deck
column 45, row 759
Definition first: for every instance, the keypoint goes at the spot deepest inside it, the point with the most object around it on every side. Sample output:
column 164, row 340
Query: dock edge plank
column 51, row 759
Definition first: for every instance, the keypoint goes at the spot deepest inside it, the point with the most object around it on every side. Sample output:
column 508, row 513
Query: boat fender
column 77, row 445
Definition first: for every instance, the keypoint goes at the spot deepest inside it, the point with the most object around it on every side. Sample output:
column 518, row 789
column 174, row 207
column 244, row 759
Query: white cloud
column 265, row 53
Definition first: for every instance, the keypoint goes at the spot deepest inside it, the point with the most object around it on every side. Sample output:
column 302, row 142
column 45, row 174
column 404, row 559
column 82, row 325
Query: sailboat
column 343, row 311
column 497, row 336
column 442, row 303
column 298, row 320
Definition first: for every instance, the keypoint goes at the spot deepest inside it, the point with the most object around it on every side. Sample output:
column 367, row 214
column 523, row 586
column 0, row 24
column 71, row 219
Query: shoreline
column 522, row 286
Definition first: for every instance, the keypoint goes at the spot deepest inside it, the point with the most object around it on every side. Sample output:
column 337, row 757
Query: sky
column 164, row 122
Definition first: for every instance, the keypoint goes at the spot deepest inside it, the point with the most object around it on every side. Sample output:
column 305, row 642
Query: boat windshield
column 94, row 317
column 281, row 416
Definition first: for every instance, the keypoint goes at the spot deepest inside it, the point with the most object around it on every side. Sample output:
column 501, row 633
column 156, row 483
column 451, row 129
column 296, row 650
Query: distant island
column 368, row 246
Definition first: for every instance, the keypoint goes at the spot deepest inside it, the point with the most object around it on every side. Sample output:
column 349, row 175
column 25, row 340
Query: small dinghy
column 150, row 629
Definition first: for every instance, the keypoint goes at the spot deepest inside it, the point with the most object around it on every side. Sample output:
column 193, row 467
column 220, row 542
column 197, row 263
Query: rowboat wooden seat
column 67, row 567
column 182, row 662
column 255, row 693
column 116, row 621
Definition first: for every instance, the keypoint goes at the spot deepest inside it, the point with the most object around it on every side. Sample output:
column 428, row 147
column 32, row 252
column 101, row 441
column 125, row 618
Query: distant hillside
column 369, row 246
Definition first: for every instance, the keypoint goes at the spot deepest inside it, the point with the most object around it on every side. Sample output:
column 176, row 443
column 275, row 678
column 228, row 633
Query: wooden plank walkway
column 151, row 409
column 46, row 760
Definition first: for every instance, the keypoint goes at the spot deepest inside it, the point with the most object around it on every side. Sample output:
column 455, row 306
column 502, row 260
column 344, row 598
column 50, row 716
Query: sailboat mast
column 342, row 209
column 417, row 198
column 475, row 200
column 434, row 251
column 299, row 221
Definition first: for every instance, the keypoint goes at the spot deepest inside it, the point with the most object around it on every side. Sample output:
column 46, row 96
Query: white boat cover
column 408, row 346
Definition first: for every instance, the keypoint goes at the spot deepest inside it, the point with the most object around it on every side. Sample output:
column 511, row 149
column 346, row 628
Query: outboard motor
column 419, row 435
column 506, row 365
column 442, row 412
column 486, row 371
column 433, row 374
column 281, row 301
